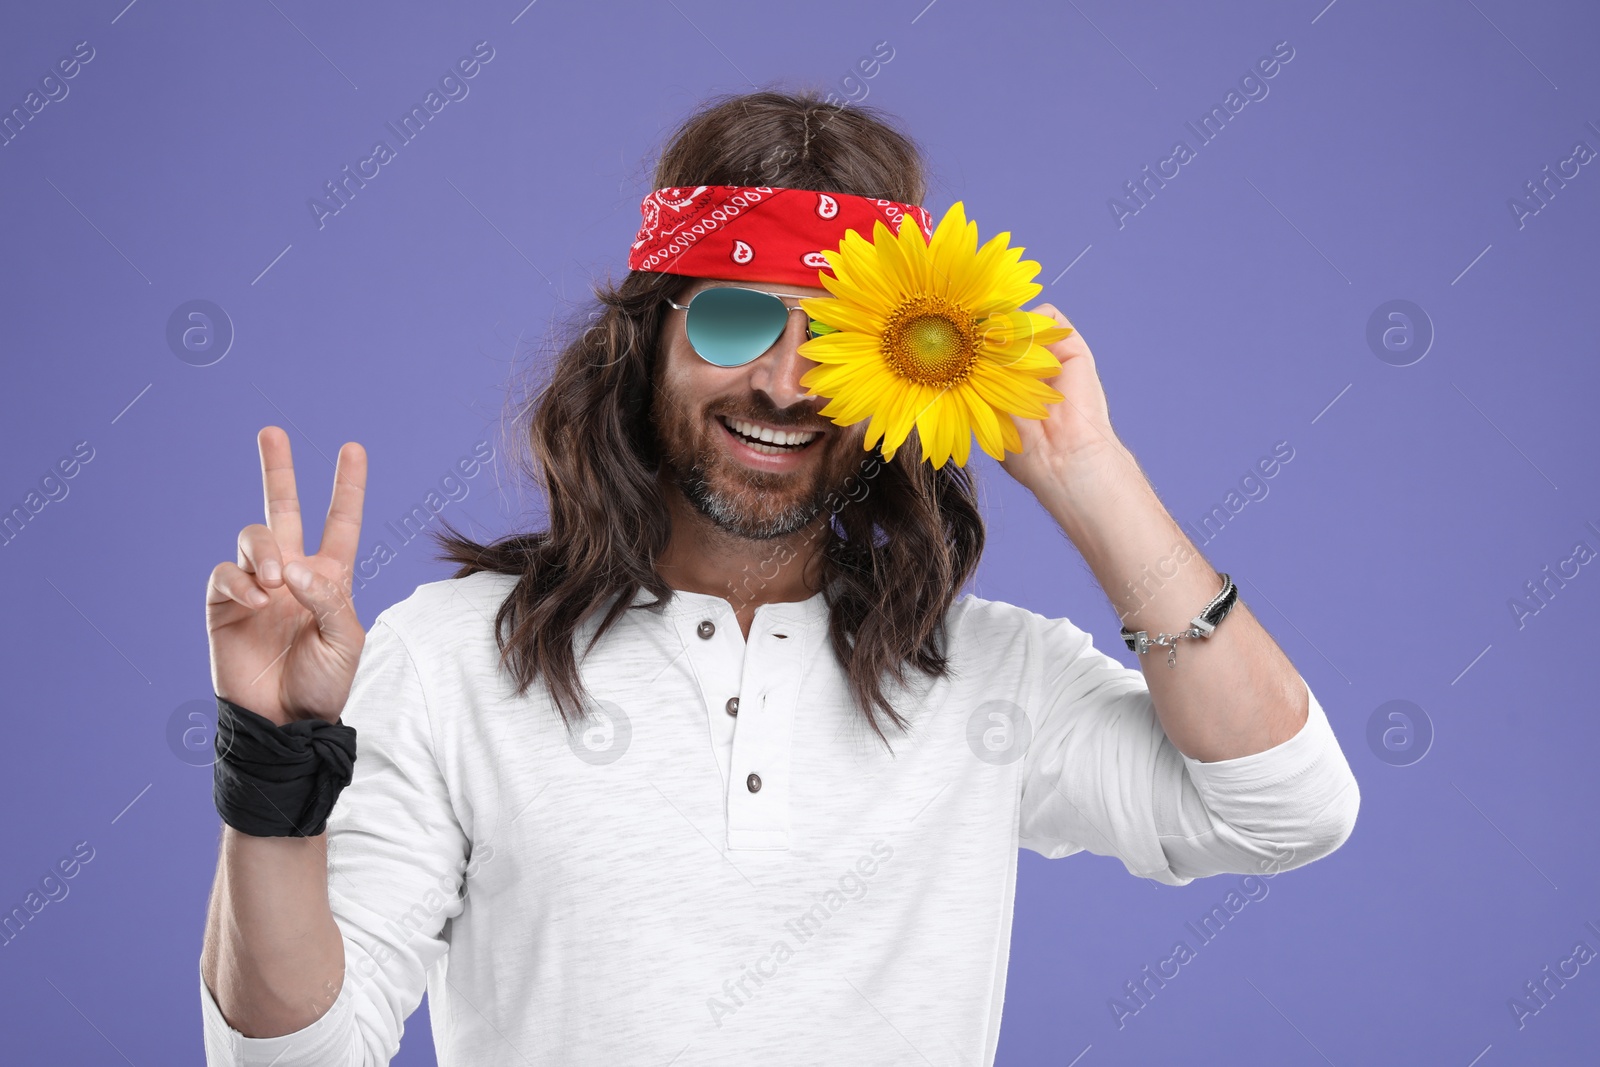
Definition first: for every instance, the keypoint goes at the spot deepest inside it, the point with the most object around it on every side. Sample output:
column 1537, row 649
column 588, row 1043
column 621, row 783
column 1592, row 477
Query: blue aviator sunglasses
column 729, row 325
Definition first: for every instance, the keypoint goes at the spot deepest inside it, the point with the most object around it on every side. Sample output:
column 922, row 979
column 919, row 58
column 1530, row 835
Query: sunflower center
column 931, row 340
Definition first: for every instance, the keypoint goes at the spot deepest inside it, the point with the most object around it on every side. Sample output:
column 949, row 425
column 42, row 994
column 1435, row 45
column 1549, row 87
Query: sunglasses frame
column 810, row 334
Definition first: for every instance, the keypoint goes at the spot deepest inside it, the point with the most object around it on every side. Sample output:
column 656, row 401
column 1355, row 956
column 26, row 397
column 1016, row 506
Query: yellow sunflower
column 931, row 336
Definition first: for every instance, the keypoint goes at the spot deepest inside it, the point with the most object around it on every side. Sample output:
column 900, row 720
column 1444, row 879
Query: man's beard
column 753, row 504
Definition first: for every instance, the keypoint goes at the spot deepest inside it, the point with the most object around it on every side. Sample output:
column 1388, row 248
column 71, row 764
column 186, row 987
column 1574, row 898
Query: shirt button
column 732, row 707
column 753, row 783
column 706, row 628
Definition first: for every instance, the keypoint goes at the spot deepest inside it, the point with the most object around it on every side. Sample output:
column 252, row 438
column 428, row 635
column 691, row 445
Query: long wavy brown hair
column 893, row 560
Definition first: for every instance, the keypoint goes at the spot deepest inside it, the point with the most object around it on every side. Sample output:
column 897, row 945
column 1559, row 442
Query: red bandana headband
column 756, row 233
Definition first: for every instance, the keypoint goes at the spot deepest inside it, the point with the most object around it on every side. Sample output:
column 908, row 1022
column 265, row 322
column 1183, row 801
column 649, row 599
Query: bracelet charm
column 1201, row 626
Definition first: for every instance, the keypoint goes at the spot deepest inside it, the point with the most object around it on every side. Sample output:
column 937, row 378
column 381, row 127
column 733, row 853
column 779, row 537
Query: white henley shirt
column 634, row 895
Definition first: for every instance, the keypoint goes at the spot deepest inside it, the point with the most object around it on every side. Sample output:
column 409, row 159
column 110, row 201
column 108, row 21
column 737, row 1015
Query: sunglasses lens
column 730, row 327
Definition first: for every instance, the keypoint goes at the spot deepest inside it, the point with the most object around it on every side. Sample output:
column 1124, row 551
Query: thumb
column 327, row 601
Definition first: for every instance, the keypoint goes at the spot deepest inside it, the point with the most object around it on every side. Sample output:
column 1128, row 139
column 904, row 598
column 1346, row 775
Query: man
column 651, row 785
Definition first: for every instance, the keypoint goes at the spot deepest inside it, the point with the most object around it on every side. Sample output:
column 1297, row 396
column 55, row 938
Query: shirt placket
column 751, row 690
column 715, row 650
column 759, row 782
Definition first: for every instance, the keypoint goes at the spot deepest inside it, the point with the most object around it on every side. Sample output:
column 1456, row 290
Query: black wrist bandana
column 279, row 781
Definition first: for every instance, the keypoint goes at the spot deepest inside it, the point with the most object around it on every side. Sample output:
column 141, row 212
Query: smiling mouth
column 781, row 441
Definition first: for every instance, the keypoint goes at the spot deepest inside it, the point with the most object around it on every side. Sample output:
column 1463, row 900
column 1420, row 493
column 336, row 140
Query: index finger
column 283, row 503
column 1071, row 337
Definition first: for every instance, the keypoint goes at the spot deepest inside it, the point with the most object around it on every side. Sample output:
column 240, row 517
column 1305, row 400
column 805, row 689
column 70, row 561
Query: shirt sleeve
column 396, row 860
column 1100, row 774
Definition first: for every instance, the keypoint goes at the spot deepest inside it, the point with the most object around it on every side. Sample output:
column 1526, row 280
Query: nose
column 779, row 369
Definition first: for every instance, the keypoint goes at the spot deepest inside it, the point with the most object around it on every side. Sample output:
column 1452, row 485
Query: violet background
column 1230, row 313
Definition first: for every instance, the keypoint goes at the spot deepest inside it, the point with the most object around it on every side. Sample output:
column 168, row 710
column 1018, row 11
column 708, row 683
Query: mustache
column 801, row 422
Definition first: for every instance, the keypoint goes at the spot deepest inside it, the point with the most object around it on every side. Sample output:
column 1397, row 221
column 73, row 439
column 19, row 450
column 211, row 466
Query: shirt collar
column 813, row 609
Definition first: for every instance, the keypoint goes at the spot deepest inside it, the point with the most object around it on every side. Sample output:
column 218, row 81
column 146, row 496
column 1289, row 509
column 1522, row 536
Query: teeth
column 769, row 435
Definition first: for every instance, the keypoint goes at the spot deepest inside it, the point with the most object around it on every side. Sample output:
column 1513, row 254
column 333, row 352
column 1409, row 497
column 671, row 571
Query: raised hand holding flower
column 1076, row 437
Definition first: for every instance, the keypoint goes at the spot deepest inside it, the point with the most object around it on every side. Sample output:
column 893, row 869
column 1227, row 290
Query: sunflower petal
column 1012, row 286
column 977, row 278
column 931, row 430
column 916, row 401
column 846, row 290
column 984, row 423
column 1014, row 393
column 898, row 275
column 1049, row 335
column 842, row 346
column 856, row 264
column 915, row 253
column 1009, row 437
column 897, row 418
column 950, row 246
column 852, row 399
column 963, row 415
column 843, row 315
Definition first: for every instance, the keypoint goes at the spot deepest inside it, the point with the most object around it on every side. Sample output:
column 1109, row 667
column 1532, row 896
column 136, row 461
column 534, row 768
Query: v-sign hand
column 285, row 639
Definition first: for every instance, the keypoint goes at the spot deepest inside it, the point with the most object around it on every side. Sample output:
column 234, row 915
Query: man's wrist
column 1084, row 487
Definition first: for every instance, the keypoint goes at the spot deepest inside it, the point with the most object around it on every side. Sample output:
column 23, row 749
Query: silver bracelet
column 1201, row 625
